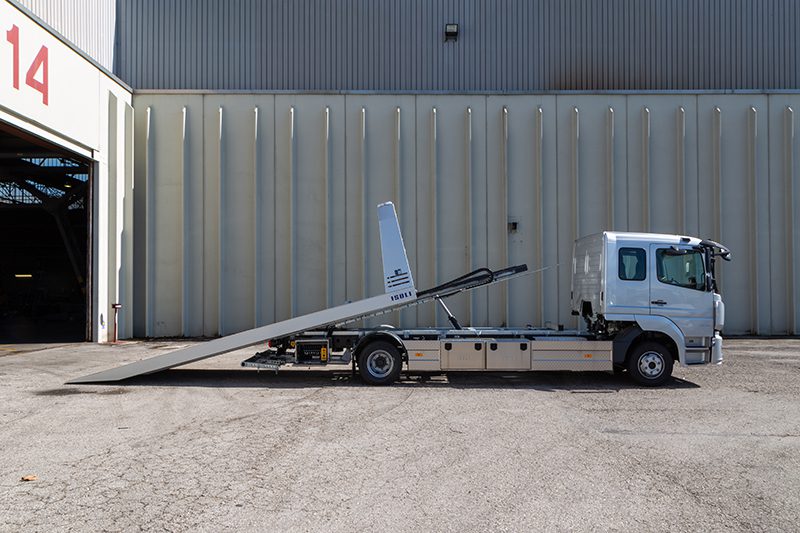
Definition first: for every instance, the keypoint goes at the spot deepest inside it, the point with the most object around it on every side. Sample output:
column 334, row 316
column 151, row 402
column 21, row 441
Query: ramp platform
column 399, row 293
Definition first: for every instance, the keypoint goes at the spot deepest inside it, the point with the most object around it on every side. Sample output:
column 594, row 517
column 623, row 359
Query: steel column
column 538, row 243
column 752, row 213
column 258, row 219
column 186, row 309
column 433, row 203
column 610, row 185
column 791, row 222
column 680, row 169
column 292, row 211
column 468, row 149
column 646, row 222
column 504, row 210
column 574, row 173
column 327, row 186
column 365, row 208
column 221, row 224
column 150, row 225
column 716, row 177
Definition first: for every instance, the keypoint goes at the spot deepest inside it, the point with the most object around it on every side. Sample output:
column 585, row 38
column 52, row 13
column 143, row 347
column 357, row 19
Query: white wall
column 89, row 113
column 272, row 214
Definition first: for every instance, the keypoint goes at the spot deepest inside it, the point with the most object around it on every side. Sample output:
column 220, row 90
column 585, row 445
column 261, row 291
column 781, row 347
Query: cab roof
column 655, row 238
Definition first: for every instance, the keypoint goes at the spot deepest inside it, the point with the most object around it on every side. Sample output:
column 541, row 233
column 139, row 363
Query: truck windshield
column 683, row 268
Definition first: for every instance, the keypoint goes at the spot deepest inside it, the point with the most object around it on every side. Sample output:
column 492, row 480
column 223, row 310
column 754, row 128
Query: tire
column 380, row 363
column 650, row 364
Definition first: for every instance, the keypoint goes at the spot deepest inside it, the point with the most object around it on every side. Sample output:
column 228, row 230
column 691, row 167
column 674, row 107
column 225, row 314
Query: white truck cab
column 662, row 285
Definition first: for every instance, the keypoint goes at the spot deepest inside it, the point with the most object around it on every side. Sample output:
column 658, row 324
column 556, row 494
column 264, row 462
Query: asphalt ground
column 213, row 446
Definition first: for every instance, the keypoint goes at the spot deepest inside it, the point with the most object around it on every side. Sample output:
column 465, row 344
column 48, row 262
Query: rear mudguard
column 380, row 335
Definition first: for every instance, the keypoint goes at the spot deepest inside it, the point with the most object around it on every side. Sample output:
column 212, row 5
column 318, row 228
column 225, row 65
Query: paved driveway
column 213, row 446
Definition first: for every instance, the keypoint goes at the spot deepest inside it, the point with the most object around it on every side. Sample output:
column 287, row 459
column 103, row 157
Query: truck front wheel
column 380, row 363
column 650, row 364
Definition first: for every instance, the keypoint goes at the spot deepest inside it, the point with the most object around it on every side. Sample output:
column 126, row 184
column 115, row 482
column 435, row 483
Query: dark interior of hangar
column 44, row 223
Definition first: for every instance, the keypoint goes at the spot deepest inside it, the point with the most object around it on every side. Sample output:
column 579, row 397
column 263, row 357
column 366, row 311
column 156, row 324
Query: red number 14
column 39, row 62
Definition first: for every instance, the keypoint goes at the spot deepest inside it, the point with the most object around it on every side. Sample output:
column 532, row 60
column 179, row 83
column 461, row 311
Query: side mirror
column 724, row 252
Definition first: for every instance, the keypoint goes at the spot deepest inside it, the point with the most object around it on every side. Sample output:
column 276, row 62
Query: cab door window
column 632, row 264
column 684, row 268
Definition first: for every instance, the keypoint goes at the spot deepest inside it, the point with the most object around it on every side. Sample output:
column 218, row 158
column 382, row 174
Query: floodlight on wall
column 450, row 32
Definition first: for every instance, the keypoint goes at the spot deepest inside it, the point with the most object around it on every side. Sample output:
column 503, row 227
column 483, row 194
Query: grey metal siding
column 258, row 207
column 88, row 24
column 513, row 45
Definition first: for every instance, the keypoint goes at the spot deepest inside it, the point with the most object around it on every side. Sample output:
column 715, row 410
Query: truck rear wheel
column 380, row 363
column 650, row 364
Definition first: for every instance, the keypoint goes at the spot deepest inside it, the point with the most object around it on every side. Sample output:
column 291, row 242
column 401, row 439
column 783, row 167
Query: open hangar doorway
column 45, row 229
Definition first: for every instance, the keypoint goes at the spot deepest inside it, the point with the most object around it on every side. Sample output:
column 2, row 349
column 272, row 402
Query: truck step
column 263, row 362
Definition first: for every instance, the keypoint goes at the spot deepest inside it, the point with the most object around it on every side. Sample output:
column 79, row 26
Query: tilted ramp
column 333, row 316
column 399, row 293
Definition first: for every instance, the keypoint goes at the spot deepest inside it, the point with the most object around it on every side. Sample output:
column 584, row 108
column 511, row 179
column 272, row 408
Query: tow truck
column 647, row 300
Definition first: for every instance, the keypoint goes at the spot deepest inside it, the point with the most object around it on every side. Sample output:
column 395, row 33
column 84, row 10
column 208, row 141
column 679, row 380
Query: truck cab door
column 679, row 290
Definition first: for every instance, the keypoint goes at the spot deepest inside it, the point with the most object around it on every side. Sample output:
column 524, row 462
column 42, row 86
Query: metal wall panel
column 583, row 204
column 310, row 193
column 451, row 188
column 168, row 232
column 662, row 163
column 235, row 167
column 89, row 24
column 513, row 45
column 521, row 200
column 784, row 221
column 734, row 168
column 273, row 213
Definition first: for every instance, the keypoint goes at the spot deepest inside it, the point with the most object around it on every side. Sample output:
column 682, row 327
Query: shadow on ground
column 576, row 382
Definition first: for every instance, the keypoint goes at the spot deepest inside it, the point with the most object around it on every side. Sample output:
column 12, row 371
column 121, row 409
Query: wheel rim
column 380, row 363
column 651, row 364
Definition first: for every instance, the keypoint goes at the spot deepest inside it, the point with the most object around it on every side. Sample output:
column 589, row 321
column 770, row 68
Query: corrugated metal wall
column 510, row 45
column 253, row 208
column 88, row 24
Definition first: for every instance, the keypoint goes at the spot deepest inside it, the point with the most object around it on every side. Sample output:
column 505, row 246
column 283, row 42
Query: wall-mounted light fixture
column 451, row 32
